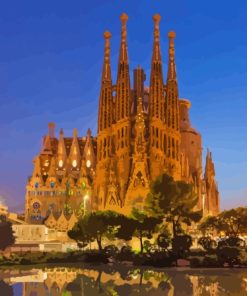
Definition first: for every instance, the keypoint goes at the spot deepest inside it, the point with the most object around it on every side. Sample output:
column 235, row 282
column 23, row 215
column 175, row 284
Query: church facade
column 143, row 131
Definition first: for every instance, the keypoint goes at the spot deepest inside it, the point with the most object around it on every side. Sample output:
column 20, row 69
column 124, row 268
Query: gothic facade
column 143, row 131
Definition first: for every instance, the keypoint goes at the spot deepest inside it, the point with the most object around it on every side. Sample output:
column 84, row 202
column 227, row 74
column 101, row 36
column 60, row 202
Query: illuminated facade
column 143, row 131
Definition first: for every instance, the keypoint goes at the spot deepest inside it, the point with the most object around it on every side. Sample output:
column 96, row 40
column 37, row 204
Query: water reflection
column 120, row 280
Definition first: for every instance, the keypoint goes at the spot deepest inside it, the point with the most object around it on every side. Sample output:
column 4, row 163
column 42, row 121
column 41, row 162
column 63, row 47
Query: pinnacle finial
column 107, row 35
column 51, row 127
column 75, row 132
column 124, row 18
column 89, row 133
column 171, row 35
column 61, row 131
column 156, row 18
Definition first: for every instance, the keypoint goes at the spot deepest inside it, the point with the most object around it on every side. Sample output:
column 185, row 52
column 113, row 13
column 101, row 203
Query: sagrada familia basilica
column 143, row 131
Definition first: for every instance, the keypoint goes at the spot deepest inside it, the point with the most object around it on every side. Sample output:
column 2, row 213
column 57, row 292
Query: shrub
column 196, row 261
column 232, row 241
column 229, row 255
column 207, row 243
column 126, row 254
column 211, row 261
column 111, row 250
column 181, row 245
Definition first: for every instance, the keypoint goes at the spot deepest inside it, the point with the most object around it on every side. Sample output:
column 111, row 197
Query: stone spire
column 156, row 107
column 212, row 193
column 172, row 114
column 123, row 56
column 171, row 62
column 105, row 100
column 209, row 168
column 61, row 151
column 156, row 78
column 123, row 97
column 75, row 155
column 172, row 104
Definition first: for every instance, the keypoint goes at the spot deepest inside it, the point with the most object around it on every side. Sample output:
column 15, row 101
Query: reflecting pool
column 122, row 280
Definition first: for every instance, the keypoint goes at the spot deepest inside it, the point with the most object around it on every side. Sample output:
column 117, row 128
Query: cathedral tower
column 211, row 200
column 104, row 138
column 172, row 114
column 122, row 127
column 156, row 107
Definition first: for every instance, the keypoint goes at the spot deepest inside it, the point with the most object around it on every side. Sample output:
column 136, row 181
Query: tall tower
column 211, row 203
column 105, row 118
column 172, row 114
column 156, row 107
column 122, row 127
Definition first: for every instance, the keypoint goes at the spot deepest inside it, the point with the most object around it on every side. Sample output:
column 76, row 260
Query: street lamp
column 85, row 198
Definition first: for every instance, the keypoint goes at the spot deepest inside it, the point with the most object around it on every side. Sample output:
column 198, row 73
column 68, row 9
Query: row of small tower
column 114, row 114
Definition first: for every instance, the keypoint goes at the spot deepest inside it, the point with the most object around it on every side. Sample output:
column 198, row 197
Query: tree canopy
column 96, row 226
column 143, row 226
column 174, row 201
column 232, row 222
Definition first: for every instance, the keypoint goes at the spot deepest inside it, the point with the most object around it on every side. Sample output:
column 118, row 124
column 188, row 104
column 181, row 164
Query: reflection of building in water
column 74, row 281
column 210, row 288
column 54, row 282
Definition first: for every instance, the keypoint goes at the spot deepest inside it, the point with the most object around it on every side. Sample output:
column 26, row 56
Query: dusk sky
column 51, row 55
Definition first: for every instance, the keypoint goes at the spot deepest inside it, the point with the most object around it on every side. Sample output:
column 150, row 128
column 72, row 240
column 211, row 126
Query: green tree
column 174, row 201
column 232, row 222
column 164, row 239
column 208, row 224
column 181, row 245
column 96, row 226
column 143, row 226
column 207, row 243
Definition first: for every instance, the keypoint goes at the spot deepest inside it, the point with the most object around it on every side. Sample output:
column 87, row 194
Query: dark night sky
column 51, row 55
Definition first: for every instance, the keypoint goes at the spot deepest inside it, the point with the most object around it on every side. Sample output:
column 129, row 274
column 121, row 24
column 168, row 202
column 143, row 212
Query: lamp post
column 85, row 198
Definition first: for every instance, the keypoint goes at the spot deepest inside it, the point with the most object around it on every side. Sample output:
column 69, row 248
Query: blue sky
column 51, row 55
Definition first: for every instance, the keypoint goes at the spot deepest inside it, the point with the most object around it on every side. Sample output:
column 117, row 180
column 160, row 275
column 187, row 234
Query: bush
column 211, row 261
column 181, row 245
column 232, row 241
column 196, row 261
column 126, row 254
column 163, row 240
column 207, row 243
column 99, row 257
column 229, row 255
column 111, row 250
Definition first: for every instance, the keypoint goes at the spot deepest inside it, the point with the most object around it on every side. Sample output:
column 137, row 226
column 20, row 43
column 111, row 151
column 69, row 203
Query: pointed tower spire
column 75, row 155
column 172, row 113
column 106, row 75
column 156, row 106
column 123, row 97
column 156, row 79
column 122, row 113
column 172, row 104
column 171, row 62
column 156, row 47
column 105, row 112
column 61, row 150
column 123, row 56
column 212, row 193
